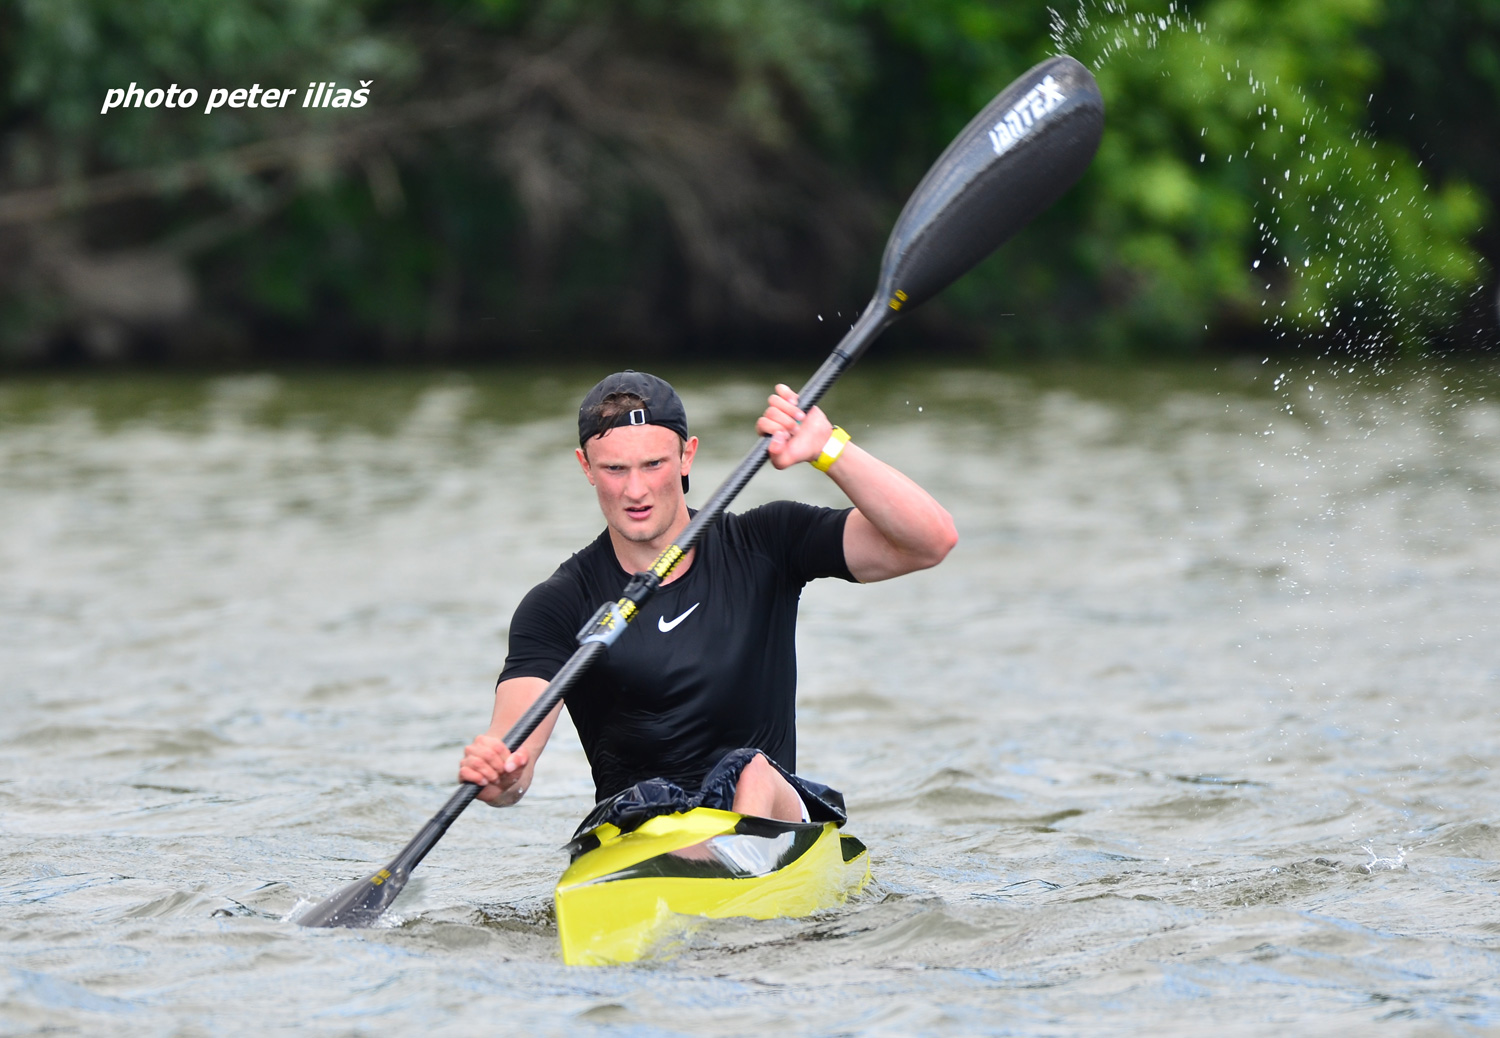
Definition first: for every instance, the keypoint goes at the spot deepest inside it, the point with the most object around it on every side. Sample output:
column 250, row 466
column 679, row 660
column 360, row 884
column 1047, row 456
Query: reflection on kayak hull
column 624, row 892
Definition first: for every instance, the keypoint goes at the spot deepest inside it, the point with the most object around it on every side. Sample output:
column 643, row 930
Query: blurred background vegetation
column 535, row 179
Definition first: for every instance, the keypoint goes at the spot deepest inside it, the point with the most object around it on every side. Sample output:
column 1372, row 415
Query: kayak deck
column 624, row 891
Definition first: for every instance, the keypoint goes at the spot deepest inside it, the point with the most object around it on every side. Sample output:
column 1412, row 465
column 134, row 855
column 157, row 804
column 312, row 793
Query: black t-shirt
column 710, row 663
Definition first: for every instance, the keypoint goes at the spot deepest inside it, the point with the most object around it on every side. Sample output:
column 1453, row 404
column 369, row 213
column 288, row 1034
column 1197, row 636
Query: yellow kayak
column 625, row 891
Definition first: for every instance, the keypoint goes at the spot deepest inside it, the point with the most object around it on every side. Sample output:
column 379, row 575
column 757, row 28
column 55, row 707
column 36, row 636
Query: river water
column 1195, row 728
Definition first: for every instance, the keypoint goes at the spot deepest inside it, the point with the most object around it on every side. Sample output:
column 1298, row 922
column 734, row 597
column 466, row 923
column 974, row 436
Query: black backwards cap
column 662, row 406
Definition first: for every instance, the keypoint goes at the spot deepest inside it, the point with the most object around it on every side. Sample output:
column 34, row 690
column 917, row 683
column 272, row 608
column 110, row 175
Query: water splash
column 297, row 910
column 1115, row 28
column 1336, row 271
column 1379, row 864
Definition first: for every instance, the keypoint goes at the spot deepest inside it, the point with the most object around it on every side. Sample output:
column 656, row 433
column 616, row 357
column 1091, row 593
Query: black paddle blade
column 1013, row 160
column 360, row 903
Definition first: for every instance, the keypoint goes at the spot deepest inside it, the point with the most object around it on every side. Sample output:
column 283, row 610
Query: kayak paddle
column 1013, row 160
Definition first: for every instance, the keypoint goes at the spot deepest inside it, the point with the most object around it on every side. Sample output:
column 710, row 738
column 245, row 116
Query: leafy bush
column 707, row 177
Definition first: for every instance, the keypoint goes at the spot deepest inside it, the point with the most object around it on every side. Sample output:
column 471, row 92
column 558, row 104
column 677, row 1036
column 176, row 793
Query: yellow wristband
column 831, row 450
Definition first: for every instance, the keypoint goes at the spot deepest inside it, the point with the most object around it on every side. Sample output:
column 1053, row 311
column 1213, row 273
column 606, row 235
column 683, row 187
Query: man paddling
column 695, row 704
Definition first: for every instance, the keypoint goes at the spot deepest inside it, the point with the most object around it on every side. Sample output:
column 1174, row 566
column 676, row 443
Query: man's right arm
column 504, row 777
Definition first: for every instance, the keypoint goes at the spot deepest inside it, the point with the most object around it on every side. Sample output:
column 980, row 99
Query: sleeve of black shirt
column 806, row 540
column 543, row 631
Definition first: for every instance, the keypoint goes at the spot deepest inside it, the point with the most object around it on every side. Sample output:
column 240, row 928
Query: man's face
column 637, row 472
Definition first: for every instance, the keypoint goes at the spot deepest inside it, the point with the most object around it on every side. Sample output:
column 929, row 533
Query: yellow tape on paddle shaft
column 667, row 561
column 611, row 619
column 831, row 450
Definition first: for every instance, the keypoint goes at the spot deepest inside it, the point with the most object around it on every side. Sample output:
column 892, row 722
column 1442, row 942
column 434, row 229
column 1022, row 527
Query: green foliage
column 66, row 54
column 774, row 44
column 1439, row 83
column 783, row 58
column 1236, row 183
column 1242, row 190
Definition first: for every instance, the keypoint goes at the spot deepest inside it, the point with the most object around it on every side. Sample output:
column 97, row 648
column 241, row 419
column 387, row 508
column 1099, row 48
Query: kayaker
column 695, row 704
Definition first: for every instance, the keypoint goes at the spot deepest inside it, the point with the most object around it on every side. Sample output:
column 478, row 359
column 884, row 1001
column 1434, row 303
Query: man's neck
column 636, row 556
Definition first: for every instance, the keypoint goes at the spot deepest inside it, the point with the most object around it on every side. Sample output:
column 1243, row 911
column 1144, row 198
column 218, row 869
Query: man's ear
column 689, row 450
column 583, row 463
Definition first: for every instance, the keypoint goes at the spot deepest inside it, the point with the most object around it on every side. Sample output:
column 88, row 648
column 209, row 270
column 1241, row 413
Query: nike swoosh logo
column 664, row 625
